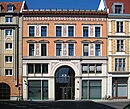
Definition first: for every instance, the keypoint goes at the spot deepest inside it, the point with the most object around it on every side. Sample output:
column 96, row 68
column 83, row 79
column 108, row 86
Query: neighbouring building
column 64, row 54
column 118, row 47
column 11, row 50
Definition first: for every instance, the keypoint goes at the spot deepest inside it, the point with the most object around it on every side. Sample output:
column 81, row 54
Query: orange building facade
column 64, row 54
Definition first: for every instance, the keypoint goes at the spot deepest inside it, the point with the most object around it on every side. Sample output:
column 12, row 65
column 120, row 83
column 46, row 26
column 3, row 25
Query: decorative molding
column 64, row 19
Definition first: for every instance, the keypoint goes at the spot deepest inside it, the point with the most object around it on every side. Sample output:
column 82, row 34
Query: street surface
column 62, row 105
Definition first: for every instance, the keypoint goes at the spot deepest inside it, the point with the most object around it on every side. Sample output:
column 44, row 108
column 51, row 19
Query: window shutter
column 127, row 46
column 113, row 46
column 126, row 27
column 113, row 27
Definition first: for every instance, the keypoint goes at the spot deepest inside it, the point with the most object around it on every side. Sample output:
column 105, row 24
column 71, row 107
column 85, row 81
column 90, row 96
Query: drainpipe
column 16, row 51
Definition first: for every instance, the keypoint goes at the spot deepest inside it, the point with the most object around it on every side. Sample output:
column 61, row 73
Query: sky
column 60, row 4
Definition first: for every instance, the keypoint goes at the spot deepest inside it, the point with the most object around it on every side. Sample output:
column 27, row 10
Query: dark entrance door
column 64, row 83
column 4, row 91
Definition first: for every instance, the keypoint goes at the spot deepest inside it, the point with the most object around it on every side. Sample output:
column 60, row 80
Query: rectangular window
column 85, row 68
column 97, row 32
column 70, row 31
column 44, row 68
column 31, row 31
column 85, row 49
column 118, row 9
column 91, row 68
column 10, row 8
column 91, row 89
column 37, row 68
column 58, row 31
column 8, row 58
column 58, row 50
column 8, row 72
column 43, row 31
column 9, row 32
column 43, row 50
column 30, row 68
column 98, row 68
column 9, row 19
column 45, row 89
column 97, row 50
column 38, row 90
column 120, row 45
column 119, row 64
column 119, row 27
column 71, row 49
column 85, row 31
column 31, row 49
column 8, row 45
column 34, row 90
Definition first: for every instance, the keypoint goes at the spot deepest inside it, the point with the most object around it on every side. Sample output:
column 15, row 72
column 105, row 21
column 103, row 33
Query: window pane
column 95, row 89
column 58, row 31
column 84, row 89
column 31, row 31
column 44, row 68
column 9, row 32
column 118, row 9
column 37, row 68
column 58, row 50
column 85, row 68
column 43, row 31
column 34, row 89
column 85, row 50
column 43, row 50
column 8, row 45
column 97, row 50
column 85, row 31
column 91, row 68
column 98, row 68
column 30, row 68
column 31, row 49
column 70, row 31
column 45, row 89
column 71, row 49
column 97, row 31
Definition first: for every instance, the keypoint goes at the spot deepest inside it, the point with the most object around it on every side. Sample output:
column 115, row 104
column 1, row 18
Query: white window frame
column 61, row 48
column 34, row 48
column 46, row 31
column 83, row 49
column 62, row 34
column 88, row 30
column 122, row 64
column 120, row 45
column 9, row 19
column 34, row 30
column 46, row 49
column 118, row 3
column 100, row 47
column 8, row 59
column 120, row 27
column 9, row 35
column 9, row 72
column 100, row 30
column 68, row 48
column 67, row 30
column 8, row 48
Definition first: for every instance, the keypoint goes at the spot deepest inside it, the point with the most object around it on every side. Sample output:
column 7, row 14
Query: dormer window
column 118, row 8
column 10, row 8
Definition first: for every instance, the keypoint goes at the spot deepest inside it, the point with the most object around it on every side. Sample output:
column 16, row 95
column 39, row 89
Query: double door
column 66, row 93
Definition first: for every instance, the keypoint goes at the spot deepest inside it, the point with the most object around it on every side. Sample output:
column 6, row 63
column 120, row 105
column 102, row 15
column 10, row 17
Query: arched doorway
column 4, row 91
column 64, row 83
